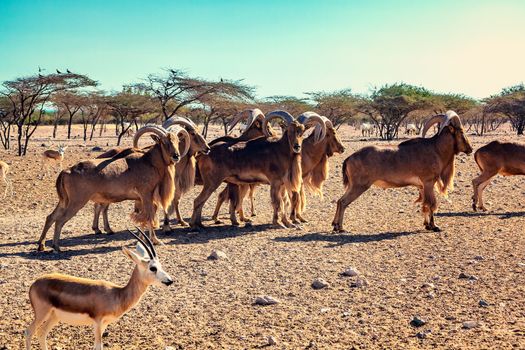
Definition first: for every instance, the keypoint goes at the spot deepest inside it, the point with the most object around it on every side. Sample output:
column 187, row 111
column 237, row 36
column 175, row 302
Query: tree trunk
column 69, row 122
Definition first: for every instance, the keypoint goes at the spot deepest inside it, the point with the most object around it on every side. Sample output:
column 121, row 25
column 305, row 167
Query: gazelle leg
column 40, row 316
column 98, row 330
column 50, row 322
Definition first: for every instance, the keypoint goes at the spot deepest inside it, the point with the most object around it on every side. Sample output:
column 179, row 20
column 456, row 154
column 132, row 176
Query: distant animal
column 4, row 169
column 367, row 129
column 51, row 157
column 59, row 72
column 62, row 298
column 411, row 129
column 503, row 158
column 418, row 162
column 67, row 70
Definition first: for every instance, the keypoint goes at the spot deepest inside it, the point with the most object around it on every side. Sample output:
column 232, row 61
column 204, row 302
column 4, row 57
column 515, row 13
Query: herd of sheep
column 159, row 175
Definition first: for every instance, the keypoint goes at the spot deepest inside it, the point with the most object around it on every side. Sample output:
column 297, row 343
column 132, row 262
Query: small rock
column 417, row 322
column 424, row 334
column 105, row 334
column 428, row 286
column 479, row 258
column 350, row 272
column 359, row 283
column 217, row 254
column 319, row 283
column 467, row 276
column 272, row 341
column 266, row 300
column 431, row 295
column 324, row 310
column 96, row 149
column 483, row 303
column 470, row 324
column 521, row 264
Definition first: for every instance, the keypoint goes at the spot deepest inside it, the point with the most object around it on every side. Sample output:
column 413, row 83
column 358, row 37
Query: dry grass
column 210, row 304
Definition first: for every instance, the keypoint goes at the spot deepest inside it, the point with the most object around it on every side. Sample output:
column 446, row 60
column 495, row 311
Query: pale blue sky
column 282, row 47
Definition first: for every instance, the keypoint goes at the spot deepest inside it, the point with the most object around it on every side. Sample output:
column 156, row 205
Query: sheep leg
column 429, row 206
column 176, row 202
column 198, row 203
column 294, row 207
column 479, row 184
column 277, row 203
column 220, row 200
column 107, row 228
column 302, row 204
column 50, row 220
column 97, row 208
column 243, row 191
column 252, row 204
column 67, row 214
column 351, row 194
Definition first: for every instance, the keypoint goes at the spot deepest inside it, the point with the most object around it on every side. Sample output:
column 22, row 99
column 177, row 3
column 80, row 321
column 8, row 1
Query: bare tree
column 174, row 89
column 338, row 106
column 30, row 95
column 511, row 103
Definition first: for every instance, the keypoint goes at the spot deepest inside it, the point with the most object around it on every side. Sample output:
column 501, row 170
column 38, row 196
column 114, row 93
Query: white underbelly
column 73, row 318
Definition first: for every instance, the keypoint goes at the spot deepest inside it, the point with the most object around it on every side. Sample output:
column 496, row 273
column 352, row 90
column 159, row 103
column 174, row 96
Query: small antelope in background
column 4, row 169
column 80, row 301
column 51, row 157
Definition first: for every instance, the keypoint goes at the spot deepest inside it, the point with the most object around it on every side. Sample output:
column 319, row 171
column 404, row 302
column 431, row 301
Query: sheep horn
column 176, row 120
column 452, row 116
column 440, row 118
column 310, row 119
column 287, row 117
column 249, row 114
column 151, row 128
column 177, row 130
column 328, row 122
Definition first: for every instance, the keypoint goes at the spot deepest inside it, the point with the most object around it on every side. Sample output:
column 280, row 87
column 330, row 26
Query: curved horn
column 287, row 117
column 151, row 128
column 249, row 114
column 310, row 119
column 181, row 132
column 141, row 241
column 150, row 244
column 451, row 116
column 440, row 118
column 327, row 121
column 176, row 120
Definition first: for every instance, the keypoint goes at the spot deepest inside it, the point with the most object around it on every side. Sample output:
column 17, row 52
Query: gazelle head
column 145, row 257
column 62, row 149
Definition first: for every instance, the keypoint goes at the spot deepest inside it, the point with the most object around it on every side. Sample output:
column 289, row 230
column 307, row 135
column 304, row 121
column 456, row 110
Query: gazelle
column 79, row 301
column 4, row 169
column 50, row 157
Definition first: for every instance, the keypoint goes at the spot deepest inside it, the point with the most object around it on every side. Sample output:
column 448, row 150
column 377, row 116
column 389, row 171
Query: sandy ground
column 408, row 271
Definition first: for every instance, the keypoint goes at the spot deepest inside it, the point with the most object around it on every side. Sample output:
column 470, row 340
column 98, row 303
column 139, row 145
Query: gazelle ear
column 142, row 251
column 132, row 255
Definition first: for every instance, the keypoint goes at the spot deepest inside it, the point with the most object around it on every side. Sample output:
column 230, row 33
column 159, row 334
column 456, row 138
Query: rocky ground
column 463, row 288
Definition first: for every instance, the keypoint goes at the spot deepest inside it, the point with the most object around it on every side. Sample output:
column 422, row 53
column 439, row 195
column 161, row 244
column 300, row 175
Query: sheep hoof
column 218, row 222
column 183, row 223
column 236, row 223
column 41, row 247
column 278, row 225
column 254, row 214
column 97, row 231
column 474, row 207
column 248, row 224
column 483, row 208
column 166, row 228
column 56, row 250
column 110, row 232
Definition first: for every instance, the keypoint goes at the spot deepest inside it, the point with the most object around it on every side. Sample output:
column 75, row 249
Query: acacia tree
column 71, row 102
column 511, row 103
column 390, row 105
column 127, row 107
column 174, row 89
column 338, row 106
column 30, row 95
column 291, row 104
column 6, row 121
